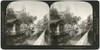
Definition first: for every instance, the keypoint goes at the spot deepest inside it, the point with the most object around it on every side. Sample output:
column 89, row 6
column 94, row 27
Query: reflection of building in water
column 56, row 27
column 13, row 31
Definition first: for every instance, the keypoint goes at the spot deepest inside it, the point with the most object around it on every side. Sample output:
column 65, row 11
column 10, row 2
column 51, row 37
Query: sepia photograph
column 26, row 23
column 35, row 23
column 71, row 23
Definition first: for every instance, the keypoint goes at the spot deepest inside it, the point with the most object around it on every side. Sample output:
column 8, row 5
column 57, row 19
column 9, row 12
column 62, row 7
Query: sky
column 82, row 9
column 39, row 9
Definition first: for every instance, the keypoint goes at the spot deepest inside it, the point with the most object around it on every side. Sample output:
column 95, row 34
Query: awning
column 11, row 20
